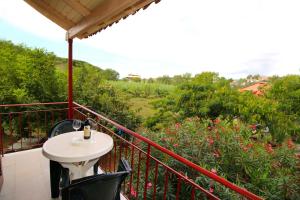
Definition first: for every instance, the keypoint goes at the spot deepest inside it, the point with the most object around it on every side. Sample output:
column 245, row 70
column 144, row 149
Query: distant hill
column 60, row 63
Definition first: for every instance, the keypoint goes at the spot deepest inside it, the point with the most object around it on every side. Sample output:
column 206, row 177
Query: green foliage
column 27, row 75
column 227, row 147
column 35, row 75
column 208, row 95
column 286, row 92
column 175, row 80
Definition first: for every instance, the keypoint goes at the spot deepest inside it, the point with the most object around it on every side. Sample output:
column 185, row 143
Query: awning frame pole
column 70, row 79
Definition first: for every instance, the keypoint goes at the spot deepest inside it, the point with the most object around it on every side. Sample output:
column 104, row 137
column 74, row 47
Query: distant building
column 133, row 77
column 255, row 88
column 263, row 78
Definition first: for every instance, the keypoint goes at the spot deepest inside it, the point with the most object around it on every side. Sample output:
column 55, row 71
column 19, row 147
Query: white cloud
column 232, row 37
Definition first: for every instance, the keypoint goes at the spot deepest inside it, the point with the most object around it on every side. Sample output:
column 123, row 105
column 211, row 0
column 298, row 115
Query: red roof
column 255, row 88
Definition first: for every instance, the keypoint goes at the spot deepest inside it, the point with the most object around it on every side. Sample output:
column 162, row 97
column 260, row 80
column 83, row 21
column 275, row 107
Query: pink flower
column 217, row 121
column 269, row 148
column 211, row 183
column 245, row 149
column 210, row 141
column 250, row 145
column 253, row 127
column 133, row 192
column 290, row 144
column 213, row 170
column 149, row 185
column 177, row 125
column 217, row 153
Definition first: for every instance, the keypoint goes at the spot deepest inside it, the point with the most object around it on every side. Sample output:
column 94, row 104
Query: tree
column 111, row 75
column 206, row 95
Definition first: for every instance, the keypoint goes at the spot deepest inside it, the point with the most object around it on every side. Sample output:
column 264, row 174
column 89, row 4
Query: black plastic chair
column 56, row 170
column 98, row 187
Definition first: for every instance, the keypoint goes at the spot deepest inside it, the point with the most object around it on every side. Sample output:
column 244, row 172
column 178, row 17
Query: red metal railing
column 152, row 178
column 25, row 126
column 158, row 173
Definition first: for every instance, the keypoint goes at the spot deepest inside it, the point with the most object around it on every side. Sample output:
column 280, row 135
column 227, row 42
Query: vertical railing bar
column 193, row 193
column 138, row 175
column 110, row 160
column 38, row 125
column 108, row 163
column 45, row 119
column 20, row 129
column 127, row 156
column 10, row 132
column 124, row 147
column 1, row 135
column 166, row 183
column 132, row 165
column 106, row 166
column 59, row 116
column 147, row 171
column 155, row 180
column 115, row 155
column 178, row 188
column 120, row 150
column 102, row 164
column 52, row 119
column 29, row 129
column 66, row 114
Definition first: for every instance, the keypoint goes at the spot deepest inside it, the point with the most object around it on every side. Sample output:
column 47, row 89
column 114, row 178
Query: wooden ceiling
column 83, row 18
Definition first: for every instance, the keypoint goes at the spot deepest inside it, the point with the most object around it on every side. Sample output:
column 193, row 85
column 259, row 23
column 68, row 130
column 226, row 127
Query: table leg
column 79, row 170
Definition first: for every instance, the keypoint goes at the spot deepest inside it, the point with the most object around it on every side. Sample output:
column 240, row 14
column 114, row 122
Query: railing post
column 147, row 171
column 70, row 79
column 1, row 136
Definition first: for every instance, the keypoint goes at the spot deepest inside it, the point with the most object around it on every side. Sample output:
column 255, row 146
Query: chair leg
column 96, row 165
column 55, row 172
column 65, row 177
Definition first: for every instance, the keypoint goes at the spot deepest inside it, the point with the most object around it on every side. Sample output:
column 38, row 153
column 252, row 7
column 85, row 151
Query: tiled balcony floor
column 26, row 176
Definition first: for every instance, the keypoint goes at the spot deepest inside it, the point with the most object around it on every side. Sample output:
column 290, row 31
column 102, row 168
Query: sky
column 232, row 37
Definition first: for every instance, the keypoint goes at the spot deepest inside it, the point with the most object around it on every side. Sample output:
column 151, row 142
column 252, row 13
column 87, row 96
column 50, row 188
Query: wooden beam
column 100, row 15
column 76, row 5
column 48, row 11
column 116, row 18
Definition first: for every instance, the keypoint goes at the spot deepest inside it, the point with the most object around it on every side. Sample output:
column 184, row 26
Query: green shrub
column 230, row 148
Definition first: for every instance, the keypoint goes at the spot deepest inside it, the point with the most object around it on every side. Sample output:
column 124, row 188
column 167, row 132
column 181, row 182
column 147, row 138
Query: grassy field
column 143, row 106
column 142, row 89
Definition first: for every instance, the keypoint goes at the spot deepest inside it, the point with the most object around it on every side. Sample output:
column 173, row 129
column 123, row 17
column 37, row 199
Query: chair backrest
column 98, row 187
column 124, row 166
column 62, row 127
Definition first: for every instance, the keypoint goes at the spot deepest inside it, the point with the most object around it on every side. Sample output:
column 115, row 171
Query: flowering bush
column 229, row 149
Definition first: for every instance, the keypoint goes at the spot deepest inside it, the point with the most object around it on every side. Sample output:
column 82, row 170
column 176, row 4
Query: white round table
column 75, row 153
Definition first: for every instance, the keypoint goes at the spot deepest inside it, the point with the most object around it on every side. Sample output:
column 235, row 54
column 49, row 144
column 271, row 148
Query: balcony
column 23, row 130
